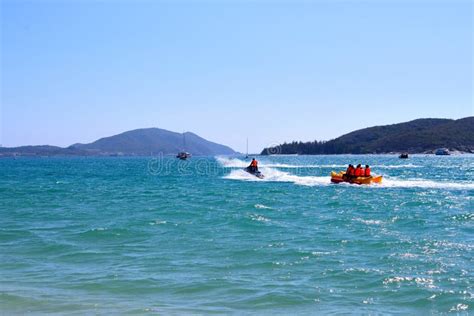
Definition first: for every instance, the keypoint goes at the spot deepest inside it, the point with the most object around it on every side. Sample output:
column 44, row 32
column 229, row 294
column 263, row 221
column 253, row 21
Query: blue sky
column 75, row 71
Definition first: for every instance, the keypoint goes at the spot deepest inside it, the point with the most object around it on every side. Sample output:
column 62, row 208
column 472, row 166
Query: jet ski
column 257, row 173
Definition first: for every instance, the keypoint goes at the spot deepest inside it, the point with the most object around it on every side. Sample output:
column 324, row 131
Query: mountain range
column 418, row 136
column 139, row 142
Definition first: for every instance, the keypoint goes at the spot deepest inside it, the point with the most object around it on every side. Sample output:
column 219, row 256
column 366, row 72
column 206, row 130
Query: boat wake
column 271, row 174
column 237, row 163
column 424, row 183
column 274, row 175
column 231, row 162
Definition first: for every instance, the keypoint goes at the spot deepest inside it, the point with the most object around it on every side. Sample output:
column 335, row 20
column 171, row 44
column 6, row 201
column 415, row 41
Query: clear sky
column 74, row 71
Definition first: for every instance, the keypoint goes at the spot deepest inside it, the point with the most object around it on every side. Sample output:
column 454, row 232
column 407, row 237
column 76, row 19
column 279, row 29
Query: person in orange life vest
column 367, row 171
column 349, row 171
column 359, row 172
column 254, row 165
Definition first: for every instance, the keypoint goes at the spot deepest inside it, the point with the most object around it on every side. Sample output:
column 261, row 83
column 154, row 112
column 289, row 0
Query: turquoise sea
column 156, row 235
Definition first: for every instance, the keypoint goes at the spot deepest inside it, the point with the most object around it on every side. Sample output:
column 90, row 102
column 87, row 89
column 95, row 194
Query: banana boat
column 338, row 177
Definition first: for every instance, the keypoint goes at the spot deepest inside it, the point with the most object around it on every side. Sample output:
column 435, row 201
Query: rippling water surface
column 143, row 235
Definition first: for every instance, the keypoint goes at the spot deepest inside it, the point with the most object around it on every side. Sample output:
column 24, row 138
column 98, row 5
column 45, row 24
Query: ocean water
column 158, row 235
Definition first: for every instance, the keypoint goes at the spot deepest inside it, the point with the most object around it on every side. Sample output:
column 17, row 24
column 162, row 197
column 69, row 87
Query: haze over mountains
column 418, row 136
column 139, row 142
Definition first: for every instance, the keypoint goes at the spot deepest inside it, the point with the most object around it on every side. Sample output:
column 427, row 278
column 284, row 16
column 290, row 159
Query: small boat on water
column 183, row 155
column 403, row 156
column 338, row 177
column 442, row 152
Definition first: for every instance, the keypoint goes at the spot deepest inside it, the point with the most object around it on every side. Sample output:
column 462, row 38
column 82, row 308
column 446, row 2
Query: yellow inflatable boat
column 338, row 177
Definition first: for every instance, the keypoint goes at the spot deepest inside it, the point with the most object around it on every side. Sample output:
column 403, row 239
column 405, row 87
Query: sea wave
column 368, row 221
column 261, row 206
column 428, row 282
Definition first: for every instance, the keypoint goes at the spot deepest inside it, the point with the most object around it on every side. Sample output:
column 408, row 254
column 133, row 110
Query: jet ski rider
column 253, row 165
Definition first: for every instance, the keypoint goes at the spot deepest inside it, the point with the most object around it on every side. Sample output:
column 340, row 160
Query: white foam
column 158, row 222
column 98, row 229
column 459, row 307
column 231, row 162
column 428, row 282
column 274, row 175
column 227, row 162
column 237, row 163
column 368, row 221
column 323, row 253
column 422, row 183
column 259, row 218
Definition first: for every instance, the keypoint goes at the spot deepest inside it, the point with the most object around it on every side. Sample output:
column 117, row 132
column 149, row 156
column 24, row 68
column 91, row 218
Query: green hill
column 418, row 136
column 154, row 140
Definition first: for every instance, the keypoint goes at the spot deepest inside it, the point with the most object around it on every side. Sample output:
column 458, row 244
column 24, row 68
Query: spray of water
column 272, row 174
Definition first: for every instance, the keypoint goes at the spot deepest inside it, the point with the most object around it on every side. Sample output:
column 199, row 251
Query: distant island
column 418, row 136
column 139, row 142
